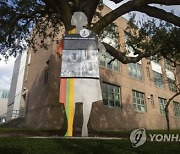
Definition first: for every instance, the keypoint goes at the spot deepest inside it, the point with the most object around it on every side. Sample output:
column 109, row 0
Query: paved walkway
column 61, row 137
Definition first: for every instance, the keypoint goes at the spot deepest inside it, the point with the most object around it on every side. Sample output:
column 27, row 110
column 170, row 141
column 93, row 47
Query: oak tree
column 19, row 17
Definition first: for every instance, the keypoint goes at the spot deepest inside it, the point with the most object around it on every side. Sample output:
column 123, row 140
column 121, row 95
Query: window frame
column 46, row 72
column 133, row 69
column 4, row 94
column 105, row 58
column 167, row 65
column 137, row 101
column 111, row 96
column 152, row 100
column 157, row 79
column 162, row 104
column 171, row 85
column 176, row 109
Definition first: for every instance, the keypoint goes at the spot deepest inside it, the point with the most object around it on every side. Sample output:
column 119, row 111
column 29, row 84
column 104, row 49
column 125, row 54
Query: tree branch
column 125, row 59
column 162, row 2
column 167, row 111
column 22, row 16
column 142, row 6
column 169, row 101
column 88, row 7
column 161, row 14
column 62, row 7
column 66, row 13
column 51, row 5
column 116, row 1
column 113, row 15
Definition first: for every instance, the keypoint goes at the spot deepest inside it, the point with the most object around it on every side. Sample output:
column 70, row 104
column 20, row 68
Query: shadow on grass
column 93, row 146
column 11, row 151
column 85, row 146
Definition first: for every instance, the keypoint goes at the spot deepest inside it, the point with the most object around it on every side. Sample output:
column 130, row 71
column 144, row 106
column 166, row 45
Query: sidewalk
column 61, row 137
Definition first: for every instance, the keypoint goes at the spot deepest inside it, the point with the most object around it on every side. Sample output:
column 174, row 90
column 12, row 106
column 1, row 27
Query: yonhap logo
column 138, row 137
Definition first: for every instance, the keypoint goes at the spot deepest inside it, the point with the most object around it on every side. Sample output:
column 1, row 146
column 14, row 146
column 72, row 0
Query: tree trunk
column 166, row 108
column 167, row 116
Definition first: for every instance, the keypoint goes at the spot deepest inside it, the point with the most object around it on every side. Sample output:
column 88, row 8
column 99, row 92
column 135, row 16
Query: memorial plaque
column 80, row 56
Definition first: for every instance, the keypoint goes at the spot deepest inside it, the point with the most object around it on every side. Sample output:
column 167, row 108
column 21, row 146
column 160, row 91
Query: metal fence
column 14, row 114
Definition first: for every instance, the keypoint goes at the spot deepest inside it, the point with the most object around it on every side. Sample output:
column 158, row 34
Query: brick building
column 134, row 95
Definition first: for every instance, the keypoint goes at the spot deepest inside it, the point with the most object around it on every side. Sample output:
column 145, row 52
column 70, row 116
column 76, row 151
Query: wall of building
column 41, row 80
column 106, row 117
column 3, row 106
column 9, row 112
column 178, row 72
column 43, row 109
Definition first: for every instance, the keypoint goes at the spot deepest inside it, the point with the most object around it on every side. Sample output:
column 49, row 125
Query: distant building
column 3, row 104
column 15, row 94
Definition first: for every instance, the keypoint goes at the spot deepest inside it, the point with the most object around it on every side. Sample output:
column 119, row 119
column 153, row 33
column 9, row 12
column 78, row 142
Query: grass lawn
column 14, row 145
column 95, row 133
column 21, row 145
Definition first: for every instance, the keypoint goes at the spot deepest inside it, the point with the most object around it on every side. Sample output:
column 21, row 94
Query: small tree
column 153, row 39
column 174, row 86
column 156, row 40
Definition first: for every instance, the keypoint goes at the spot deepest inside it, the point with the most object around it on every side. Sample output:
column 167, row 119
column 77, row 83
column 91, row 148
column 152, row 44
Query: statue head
column 79, row 20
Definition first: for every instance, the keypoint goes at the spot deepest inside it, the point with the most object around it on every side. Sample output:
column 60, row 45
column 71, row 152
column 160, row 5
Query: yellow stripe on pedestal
column 70, row 106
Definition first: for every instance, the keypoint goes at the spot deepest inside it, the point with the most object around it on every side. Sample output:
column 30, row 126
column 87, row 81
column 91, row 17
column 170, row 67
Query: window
column 148, row 72
column 29, row 59
column 106, row 58
column 172, row 85
column 152, row 100
column 110, row 35
column 28, row 66
column 139, row 103
column 134, row 70
column 27, row 72
column 167, row 64
column 74, row 56
column 46, row 73
column 155, row 59
column 158, row 80
column 4, row 94
column 162, row 104
column 111, row 95
column 176, row 109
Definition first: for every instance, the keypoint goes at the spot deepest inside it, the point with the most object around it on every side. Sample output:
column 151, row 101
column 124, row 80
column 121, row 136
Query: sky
column 112, row 5
column 6, row 68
